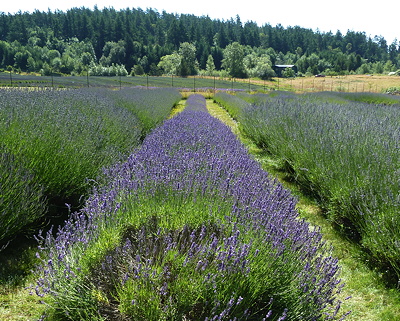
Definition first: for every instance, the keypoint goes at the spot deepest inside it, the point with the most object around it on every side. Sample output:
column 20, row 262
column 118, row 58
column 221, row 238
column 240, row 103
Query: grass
column 188, row 84
column 16, row 301
column 19, row 305
column 370, row 299
column 349, row 83
column 179, row 107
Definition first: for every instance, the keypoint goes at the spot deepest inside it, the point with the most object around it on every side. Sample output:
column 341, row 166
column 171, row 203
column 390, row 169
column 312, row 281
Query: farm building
column 280, row 68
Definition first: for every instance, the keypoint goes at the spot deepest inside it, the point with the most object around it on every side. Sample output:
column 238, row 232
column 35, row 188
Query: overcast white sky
column 374, row 18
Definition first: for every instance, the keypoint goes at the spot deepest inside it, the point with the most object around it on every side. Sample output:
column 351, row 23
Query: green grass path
column 370, row 299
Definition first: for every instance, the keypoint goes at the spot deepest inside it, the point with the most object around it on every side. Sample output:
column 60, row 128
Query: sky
column 377, row 18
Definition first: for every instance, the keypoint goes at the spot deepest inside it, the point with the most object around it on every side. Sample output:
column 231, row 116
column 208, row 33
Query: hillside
column 134, row 41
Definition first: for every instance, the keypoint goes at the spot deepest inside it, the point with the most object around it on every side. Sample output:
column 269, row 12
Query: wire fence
column 192, row 83
column 203, row 83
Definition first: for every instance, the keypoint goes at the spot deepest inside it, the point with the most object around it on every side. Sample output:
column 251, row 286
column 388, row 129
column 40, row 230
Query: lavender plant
column 65, row 136
column 189, row 227
column 345, row 154
column 29, row 206
column 231, row 103
column 150, row 106
column 60, row 140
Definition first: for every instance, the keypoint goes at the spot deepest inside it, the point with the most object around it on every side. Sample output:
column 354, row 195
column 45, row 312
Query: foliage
column 188, row 65
column 113, row 70
column 210, row 67
column 182, row 63
column 393, row 90
column 233, row 104
column 189, row 227
column 344, row 153
column 67, row 42
column 233, row 60
column 259, row 66
column 170, row 63
column 288, row 73
column 53, row 143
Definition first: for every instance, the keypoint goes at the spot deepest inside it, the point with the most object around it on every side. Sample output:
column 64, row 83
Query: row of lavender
column 343, row 149
column 188, row 228
column 52, row 142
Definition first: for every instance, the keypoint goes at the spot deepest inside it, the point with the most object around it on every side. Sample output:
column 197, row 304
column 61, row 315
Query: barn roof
column 284, row 66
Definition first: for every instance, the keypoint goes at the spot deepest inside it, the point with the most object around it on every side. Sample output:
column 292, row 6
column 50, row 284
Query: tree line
column 135, row 41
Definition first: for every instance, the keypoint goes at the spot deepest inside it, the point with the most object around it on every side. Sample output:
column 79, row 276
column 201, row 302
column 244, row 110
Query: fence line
column 191, row 83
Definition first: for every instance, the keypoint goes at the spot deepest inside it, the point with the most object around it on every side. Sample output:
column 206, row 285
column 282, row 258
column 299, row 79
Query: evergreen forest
column 136, row 42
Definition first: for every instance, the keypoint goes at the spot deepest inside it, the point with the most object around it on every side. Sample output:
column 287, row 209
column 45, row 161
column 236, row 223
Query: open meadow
column 348, row 83
column 175, row 218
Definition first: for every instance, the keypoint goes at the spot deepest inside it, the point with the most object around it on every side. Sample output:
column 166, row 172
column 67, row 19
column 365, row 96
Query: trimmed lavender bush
column 344, row 153
column 189, row 227
column 231, row 103
column 58, row 141
column 196, row 103
column 17, row 211
column 151, row 106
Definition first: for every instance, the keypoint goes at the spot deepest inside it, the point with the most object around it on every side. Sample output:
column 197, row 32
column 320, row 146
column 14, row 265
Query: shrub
column 344, row 154
column 150, row 106
column 231, row 103
column 54, row 143
column 393, row 91
column 21, row 197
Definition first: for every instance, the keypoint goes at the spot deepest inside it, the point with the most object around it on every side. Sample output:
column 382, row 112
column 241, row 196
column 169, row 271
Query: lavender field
column 189, row 227
column 343, row 150
column 172, row 219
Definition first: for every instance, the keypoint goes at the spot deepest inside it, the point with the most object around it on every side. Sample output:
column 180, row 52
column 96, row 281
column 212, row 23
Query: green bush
column 345, row 154
column 21, row 197
column 56, row 142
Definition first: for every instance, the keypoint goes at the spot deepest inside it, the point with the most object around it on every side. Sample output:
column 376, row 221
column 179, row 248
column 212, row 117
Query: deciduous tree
column 233, row 60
